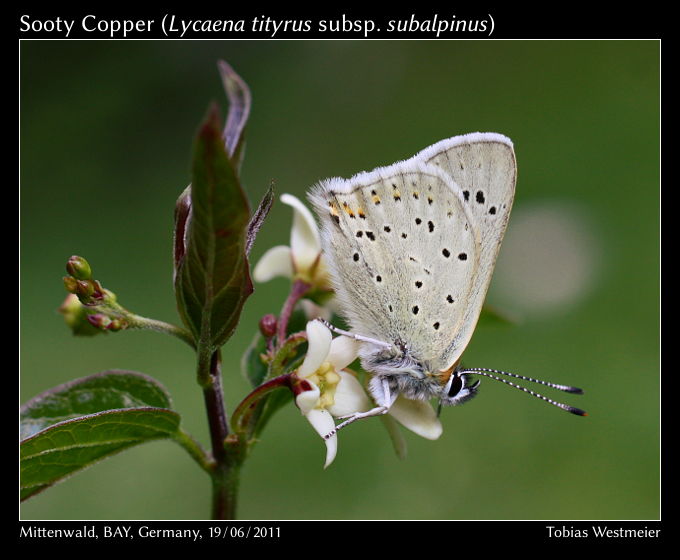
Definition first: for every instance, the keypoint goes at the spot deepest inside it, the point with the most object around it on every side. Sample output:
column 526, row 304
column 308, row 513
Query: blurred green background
column 106, row 132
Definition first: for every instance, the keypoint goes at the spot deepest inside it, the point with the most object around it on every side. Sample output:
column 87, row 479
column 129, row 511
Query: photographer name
column 602, row 531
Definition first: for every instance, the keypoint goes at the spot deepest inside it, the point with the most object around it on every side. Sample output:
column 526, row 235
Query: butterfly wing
column 403, row 252
column 483, row 166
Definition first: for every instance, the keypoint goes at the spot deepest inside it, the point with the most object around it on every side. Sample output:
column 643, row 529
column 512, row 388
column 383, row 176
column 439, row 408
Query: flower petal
column 319, row 341
column 277, row 261
column 307, row 400
column 344, row 350
column 323, row 423
column 350, row 396
column 305, row 240
column 417, row 416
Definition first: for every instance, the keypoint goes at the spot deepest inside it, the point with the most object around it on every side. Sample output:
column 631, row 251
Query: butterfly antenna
column 565, row 388
column 491, row 374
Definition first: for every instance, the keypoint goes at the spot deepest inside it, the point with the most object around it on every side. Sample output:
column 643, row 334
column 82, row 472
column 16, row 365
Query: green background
column 106, row 132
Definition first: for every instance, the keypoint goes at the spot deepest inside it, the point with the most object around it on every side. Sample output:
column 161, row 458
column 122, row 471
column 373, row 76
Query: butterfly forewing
column 404, row 255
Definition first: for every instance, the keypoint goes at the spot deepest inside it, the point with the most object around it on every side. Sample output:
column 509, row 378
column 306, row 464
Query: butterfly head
column 457, row 389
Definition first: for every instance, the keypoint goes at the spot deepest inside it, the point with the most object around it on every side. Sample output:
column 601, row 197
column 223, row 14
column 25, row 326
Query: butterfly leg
column 384, row 400
column 352, row 335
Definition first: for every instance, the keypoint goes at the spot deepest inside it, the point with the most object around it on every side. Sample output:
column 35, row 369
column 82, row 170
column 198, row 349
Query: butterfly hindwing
column 483, row 166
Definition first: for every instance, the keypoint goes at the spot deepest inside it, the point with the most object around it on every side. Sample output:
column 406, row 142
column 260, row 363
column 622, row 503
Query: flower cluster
column 89, row 308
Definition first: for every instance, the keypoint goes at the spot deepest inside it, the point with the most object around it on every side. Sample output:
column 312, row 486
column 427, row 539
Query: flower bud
column 106, row 323
column 84, row 289
column 99, row 320
column 75, row 316
column 268, row 325
column 71, row 284
column 79, row 268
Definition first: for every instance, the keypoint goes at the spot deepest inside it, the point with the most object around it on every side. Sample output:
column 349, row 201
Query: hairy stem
column 214, row 404
column 227, row 452
column 138, row 322
column 194, row 449
column 225, row 491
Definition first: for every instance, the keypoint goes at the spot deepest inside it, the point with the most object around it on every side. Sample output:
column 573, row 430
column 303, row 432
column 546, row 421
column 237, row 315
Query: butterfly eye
column 456, row 385
column 456, row 392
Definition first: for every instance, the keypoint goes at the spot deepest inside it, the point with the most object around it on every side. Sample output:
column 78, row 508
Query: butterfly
column 411, row 249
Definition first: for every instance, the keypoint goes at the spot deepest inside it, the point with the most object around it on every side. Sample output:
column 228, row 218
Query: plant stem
column 161, row 326
column 194, row 449
column 214, row 403
column 228, row 452
column 297, row 290
column 226, row 468
column 225, row 491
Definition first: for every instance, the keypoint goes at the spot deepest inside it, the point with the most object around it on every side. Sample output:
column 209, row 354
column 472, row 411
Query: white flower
column 302, row 259
column 333, row 392
column 336, row 393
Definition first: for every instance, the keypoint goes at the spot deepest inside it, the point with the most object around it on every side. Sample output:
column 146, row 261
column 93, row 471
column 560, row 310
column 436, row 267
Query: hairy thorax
column 405, row 374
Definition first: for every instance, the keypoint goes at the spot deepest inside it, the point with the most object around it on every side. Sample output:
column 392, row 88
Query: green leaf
column 240, row 99
column 253, row 367
column 274, row 402
column 74, row 425
column 107, row 390
column 213, row 279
